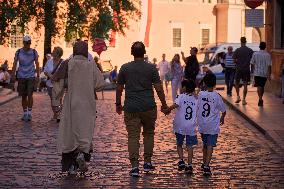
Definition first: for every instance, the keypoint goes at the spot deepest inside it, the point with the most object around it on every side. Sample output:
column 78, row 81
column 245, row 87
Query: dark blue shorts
column 209, row 140
column 190, row 140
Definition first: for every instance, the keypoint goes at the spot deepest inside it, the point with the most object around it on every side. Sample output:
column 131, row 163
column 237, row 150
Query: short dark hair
column 262, row 45
column 189, row 85
column 138, row 49
column 243, row 39
column 210, row 80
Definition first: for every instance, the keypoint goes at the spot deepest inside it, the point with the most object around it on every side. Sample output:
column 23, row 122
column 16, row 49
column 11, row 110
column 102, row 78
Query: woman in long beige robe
column 78, row 117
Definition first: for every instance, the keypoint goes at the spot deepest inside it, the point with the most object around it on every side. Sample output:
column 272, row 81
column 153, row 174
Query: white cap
column 27, row 38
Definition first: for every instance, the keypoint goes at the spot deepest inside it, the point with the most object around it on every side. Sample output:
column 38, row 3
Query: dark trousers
column 229, row 79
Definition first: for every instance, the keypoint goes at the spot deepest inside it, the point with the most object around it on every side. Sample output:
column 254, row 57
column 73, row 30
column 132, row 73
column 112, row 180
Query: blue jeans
column 229, row 79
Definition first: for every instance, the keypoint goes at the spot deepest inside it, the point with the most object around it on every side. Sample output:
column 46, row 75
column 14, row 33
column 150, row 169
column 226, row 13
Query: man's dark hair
column 210, row 80
column 189, row 85
column 138, row 49
column 262, row 45
column 243, row 39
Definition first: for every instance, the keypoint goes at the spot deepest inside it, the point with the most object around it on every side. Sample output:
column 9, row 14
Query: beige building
column 166, row 26
column 230, row 23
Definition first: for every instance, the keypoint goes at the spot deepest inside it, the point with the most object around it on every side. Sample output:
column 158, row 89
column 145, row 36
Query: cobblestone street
column 244, row 158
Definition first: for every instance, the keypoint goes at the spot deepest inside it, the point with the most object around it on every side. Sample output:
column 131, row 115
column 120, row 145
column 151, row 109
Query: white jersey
column 185, row 119
column 210, row 104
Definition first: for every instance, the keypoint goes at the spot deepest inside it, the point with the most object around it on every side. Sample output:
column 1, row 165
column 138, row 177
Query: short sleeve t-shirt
column 210, row 104
column 243, row 56
column 185, row 120
column 138, row 78
column 164, row 67
column 26, row 63
column 261, row 61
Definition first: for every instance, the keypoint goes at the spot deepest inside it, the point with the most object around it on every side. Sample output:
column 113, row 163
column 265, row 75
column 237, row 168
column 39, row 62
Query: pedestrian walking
column 113, row 75
column 55, row 94
column 191, row 64
column 28, row 59
column 138, row 77
column 164, row 68
column 155, row 62
column 4, row 77
column 261, row 69
column 242, row 57
column 177, row 75
column 210, row 104
column 185, row 123
column 230, row 70
column 76, row 127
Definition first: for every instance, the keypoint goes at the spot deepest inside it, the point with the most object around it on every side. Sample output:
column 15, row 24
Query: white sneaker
column 72, row 170
column 81, row 162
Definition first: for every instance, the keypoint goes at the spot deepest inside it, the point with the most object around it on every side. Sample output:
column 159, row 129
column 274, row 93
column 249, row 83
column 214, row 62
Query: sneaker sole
column 72, row 172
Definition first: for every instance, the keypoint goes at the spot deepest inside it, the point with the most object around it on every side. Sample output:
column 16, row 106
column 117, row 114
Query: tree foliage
column 71, row 18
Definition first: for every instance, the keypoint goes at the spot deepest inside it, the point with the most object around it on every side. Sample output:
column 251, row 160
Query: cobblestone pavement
column 29, row 159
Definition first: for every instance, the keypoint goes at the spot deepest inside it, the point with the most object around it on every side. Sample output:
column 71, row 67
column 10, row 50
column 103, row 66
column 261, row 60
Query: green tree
column 71, row 18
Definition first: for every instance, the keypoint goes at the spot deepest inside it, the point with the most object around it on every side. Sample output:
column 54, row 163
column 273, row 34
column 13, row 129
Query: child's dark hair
column 210, row 80
column 189, row 85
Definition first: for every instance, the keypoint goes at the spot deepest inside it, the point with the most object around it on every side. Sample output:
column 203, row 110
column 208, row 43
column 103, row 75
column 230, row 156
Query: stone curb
column 9, row 99
column 253, row 123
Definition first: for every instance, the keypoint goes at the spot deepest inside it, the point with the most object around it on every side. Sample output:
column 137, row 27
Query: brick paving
column 244, row 158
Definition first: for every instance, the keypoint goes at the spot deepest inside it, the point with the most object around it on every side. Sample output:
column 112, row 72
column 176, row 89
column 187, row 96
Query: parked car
column 210, row 57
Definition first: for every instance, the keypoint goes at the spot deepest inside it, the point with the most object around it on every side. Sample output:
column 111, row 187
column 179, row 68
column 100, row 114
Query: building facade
column 230, row 23
column 166, row 26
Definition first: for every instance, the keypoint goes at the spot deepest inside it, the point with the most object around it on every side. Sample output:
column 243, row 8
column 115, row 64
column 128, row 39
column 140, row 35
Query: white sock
column 30, row 111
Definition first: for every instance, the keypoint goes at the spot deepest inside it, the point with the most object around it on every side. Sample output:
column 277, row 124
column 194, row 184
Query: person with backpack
column 191, row 64
column 28, row 64
column 51, row 66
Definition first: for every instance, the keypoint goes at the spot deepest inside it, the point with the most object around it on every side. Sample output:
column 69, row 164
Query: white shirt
column 164, row 67
column 261, row 61
column 210, row 104
column 185, row 119
column 48, row 68
column 5, row 77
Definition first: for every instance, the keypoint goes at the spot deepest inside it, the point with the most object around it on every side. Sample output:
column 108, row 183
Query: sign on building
column 254, row 18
